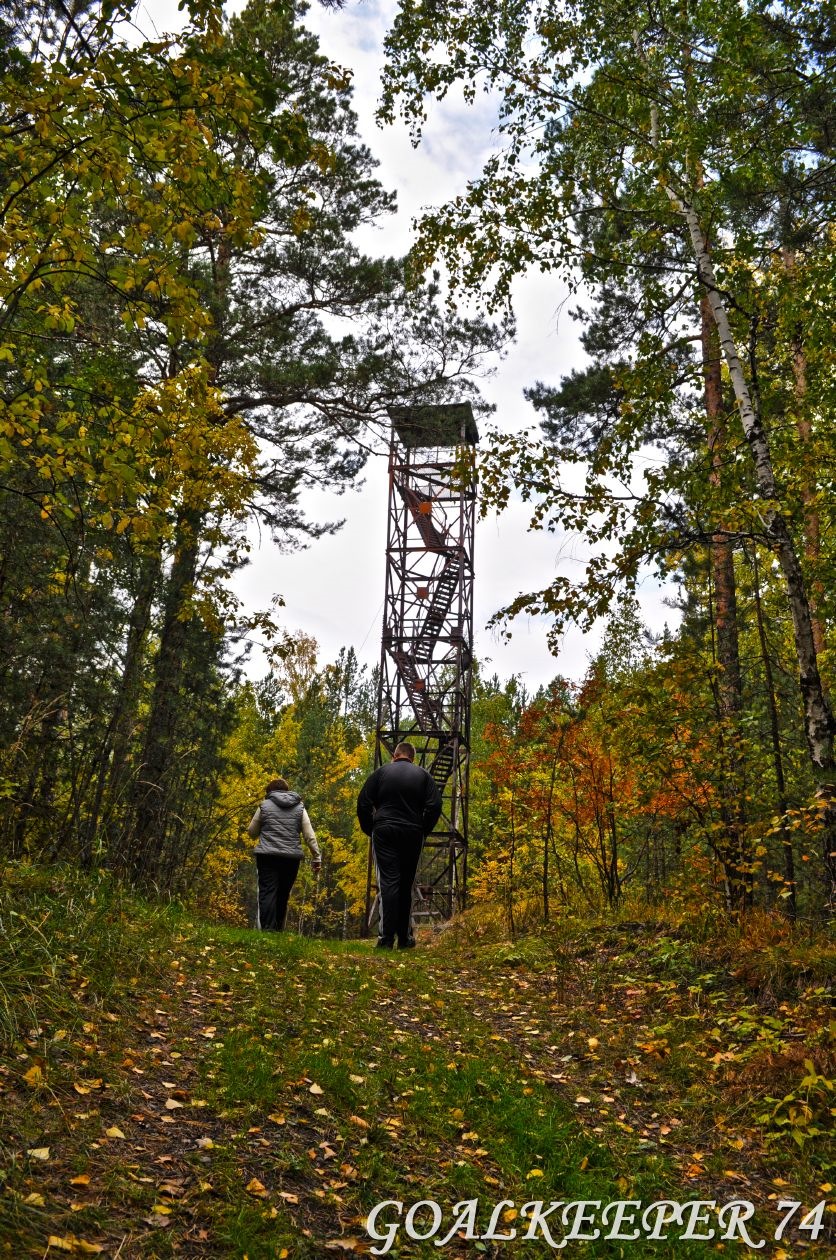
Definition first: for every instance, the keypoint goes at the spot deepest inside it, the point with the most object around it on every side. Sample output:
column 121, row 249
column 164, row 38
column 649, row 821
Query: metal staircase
column 421, row 510
column 444, row 592
column 427, row 711
column 443, row 763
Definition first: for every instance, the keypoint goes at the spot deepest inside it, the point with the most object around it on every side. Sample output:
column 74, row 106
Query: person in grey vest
column 280, row 822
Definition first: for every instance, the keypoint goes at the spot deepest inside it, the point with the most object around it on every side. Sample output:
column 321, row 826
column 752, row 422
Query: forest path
column 267, row 1091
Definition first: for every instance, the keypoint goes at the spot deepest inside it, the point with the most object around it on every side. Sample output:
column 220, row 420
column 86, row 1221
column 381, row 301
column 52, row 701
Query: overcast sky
column 334, row 589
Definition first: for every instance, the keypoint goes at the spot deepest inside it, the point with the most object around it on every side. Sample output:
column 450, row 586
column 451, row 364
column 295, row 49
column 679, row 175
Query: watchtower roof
column 435, row 424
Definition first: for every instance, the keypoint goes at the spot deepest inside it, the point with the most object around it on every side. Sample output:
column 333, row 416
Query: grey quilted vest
column 281, row 824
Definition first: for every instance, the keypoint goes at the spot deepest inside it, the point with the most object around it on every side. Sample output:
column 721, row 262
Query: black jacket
column 400, row 794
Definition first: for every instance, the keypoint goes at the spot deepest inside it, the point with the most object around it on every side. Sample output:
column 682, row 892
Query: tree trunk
column 511, row 926
column 113, row 762
column 818, row 718
column 812, row 522
column 150, row 803
column 804, row 429
column 729, row 690
column 777, row 757
column 57, row 683
column 548, row 836
column 819, row 726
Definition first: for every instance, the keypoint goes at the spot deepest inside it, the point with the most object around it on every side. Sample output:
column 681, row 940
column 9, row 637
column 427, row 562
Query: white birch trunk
column 818, row 718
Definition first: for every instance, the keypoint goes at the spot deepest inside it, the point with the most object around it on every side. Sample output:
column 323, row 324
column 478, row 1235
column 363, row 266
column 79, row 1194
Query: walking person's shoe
column 408, row 944
column 385, row 942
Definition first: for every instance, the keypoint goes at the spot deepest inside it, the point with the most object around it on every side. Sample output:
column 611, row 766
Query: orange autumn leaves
column 577, row 793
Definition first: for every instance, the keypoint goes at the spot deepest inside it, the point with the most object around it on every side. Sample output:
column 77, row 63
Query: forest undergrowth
column 173, row 1087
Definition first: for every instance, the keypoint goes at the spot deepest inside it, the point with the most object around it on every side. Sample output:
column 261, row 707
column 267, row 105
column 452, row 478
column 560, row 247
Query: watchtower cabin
column 425, row 662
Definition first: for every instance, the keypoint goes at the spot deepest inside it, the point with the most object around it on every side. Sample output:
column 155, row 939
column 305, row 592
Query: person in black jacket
column 398, row 807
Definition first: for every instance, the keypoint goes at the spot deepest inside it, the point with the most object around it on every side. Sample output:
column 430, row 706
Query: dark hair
column 276, row 785
column 405, row 749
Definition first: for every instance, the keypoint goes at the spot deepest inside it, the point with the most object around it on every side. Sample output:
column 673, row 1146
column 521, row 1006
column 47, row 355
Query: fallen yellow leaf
column 114, row 1132
column 39, row 1152
column 34, row 1076
column 254, row 1186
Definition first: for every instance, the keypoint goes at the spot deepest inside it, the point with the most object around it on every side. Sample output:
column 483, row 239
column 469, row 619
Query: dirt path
column 268, row 1093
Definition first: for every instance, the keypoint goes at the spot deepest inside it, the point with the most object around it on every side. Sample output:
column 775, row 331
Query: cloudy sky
column 334, row 589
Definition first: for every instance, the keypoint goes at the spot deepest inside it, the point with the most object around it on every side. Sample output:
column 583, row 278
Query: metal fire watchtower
column 425, row 665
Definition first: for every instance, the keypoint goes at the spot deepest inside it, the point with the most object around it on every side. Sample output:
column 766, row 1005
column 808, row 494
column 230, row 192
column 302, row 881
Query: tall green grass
column 69, row 941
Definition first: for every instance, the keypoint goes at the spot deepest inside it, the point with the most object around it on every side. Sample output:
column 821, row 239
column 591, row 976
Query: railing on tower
column 425, row 665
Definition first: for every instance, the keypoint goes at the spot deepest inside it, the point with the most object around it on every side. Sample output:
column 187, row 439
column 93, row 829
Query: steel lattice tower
column 425, row 662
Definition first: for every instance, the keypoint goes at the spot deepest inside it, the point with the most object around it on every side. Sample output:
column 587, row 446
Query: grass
column 70, row 940
column 271, row 1090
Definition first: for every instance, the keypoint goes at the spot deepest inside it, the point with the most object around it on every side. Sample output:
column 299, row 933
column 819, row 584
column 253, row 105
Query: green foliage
column 805, row 1113
column 190, row 337
column 109, row 172
column 312, row 726
column 649, row 156
column 72, row 943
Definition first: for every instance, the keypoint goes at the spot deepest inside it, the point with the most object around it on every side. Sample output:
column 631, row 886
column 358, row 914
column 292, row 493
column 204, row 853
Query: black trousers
column 276, row 877
column 396, row 855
